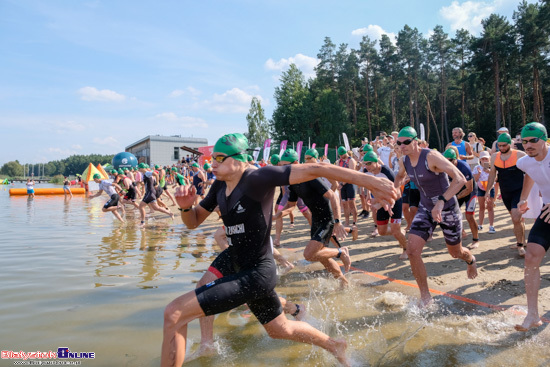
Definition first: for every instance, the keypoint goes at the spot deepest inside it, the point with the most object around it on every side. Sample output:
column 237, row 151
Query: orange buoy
column 48, row 191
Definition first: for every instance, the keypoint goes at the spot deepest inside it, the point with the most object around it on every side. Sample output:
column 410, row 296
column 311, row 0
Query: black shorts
column 405, row 194
column 112, row 202
column 414, row 198
column 481, row 193
column 255, row 287
column 510, row 199
column 130, row 195
column 322, row 231
column 347, row 192
column 539, row 233
column 149, row 198
column 199, row 190
column 383, row 217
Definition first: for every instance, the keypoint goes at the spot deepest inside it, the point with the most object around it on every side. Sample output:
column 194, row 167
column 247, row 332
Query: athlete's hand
column 339, row 231
column 522, row 207
column 545, row 216
column 384, row 191
column 185, row 196
column 436, row 212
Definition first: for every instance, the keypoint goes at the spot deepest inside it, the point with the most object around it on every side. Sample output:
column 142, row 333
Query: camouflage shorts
column 423, row 224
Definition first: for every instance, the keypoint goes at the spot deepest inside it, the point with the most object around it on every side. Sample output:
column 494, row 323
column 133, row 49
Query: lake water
column 72, row 276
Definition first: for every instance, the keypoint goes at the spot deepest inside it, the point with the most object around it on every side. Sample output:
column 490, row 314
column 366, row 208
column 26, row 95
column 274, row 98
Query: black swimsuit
column 246, row 270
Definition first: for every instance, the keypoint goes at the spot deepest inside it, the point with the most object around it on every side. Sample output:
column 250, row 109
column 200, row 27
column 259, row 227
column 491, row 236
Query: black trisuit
column 246, row 270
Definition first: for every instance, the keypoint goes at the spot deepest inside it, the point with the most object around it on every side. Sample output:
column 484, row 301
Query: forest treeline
column 500, row 78
column 67, row 167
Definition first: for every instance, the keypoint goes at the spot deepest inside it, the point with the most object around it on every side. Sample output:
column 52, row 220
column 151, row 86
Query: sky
column 92, row 77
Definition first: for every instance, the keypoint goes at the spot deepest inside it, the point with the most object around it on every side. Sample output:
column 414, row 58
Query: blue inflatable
column 124, row 160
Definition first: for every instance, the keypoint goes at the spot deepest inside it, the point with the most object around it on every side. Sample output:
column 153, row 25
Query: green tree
column 12, row 169
column 258, row 128
column 440, row 48
column 291, row 118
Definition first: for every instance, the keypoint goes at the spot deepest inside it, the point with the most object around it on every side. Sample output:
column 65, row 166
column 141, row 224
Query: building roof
column 174, row 138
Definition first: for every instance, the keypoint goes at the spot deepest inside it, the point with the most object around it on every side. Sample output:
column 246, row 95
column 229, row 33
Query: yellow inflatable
column 48, row 191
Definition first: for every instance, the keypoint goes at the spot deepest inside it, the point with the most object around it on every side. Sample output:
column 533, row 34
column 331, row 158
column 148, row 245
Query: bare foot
column 472, row 269
column 404, row 255
column 354, row 233
column 426, row 302
column 205, row 350
column 529, row 323
column 374, row 233
column 344, row 256
column 473, row 245
column 521, row 251
column 338, row 349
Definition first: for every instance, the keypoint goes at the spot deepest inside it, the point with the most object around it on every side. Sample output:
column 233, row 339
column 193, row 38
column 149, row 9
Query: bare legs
column 533, row 258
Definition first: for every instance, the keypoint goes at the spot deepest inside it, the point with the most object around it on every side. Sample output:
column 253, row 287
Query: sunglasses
column 534, row 141
column 470, row 136
column 222, row 158
column 368, row 163
column 406, row 142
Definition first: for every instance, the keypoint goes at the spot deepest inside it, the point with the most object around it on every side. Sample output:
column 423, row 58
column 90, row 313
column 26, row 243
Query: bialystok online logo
column 62, row 353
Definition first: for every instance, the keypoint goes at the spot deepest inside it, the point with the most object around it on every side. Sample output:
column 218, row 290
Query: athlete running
column 537, row 170
column 429, row 170
column 246, row 270
column 510, row 179
column 150, row 196
column 375, row 168
column 347, row 191
column 109, row 188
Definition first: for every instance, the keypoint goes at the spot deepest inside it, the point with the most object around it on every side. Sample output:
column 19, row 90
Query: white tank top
column 539, row 171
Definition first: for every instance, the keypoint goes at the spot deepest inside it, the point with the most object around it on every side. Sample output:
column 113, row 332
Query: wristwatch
column 442, row 198
column 336, row 220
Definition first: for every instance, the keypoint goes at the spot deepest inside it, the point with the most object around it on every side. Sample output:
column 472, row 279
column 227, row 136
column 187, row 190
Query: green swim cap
column 195, row 165
column 450, row 154
column 342, row 151
column 504, row 138
column 534, row 130
column 97, row 176
column 313, row 153
column 126, row 169
column 230, row 144
column 206, row 166
column 157, row 166
column 249, row 158
column 142, row 165
column 180, row 179
column 120, row 171
column 368, row 148
column 407, row 132
column 289, row 155
column 370, row 157
column 275, row 159
column 174, row 168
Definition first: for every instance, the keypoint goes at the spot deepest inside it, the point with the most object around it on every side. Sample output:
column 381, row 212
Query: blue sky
column 82, row 77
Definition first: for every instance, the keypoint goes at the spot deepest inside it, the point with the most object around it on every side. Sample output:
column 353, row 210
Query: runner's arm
column 528, row 183
column 492, row 174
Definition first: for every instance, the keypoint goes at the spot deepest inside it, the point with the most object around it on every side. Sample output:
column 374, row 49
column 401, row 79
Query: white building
column 163, row 150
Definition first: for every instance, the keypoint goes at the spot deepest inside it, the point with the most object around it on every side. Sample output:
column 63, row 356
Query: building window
column 176, row 153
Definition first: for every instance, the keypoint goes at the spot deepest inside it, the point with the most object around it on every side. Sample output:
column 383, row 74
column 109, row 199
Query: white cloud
column 185, row 121
column 305, row 63
column 374, row 32
column 193, row 92
column 107, row 141
column 469, row 14
column 68, row 126
column 76, row 146
column 61, row 152
column 232, row 101
column 104, row 95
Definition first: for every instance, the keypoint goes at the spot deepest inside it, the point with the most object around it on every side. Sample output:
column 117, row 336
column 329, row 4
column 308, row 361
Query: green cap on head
column 312, row 152
column 407, row 132
column 195, row 165
column 126, row 169
column 275, row 159
column 504, row 138
column 450, row 154
column 174, row 169
column 142, row 165
column 249, row 158
column 97, row 176
column 342, row 151
column 230, row 144
column 157, row 166
column 370, row 157
column 207, row 166
column 180, row 179
column 289, row 155
column 120, row 171
column 368, row 148
column 534, row 130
